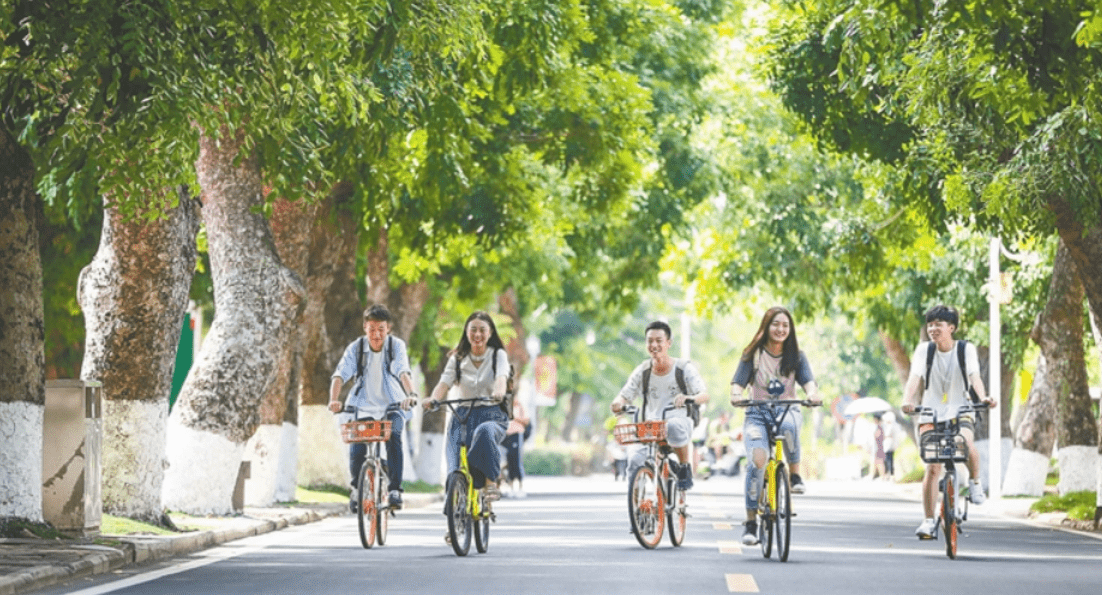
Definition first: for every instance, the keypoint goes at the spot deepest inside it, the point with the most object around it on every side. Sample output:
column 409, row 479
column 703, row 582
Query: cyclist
column 379, row 365
column 772, row 365
column 936, row 374
column 480, row 366
column 664, row 381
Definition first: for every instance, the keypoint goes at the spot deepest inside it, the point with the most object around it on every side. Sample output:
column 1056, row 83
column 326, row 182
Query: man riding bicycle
column 937, row 374
column 664, row 381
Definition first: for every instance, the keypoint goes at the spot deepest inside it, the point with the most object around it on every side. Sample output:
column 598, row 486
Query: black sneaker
column 797, row 484
column 395, row 500
column 750, row 534
column 684, row 476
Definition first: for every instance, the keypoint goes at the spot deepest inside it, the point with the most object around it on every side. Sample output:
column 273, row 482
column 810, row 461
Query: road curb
column 126, row 550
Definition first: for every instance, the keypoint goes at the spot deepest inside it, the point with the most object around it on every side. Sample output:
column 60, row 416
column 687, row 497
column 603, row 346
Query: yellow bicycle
column 465, row 506
column 775, row 504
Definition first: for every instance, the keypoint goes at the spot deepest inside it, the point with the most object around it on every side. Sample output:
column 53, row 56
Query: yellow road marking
column 721, row 526
column 730, row 547
column 741, row 583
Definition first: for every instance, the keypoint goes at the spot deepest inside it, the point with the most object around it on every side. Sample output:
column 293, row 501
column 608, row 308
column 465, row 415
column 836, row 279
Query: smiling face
column 376, row 331
column 940, row 332
column 658, row 344
column 478, row 333
column 779, row 329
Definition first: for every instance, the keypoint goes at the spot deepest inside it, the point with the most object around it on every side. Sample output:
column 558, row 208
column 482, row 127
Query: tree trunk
column 255, row 298
column 378, row 270
column 518, row 345
column 1034, row 440
column 567, row 433
column 1060, row 334
column 22, row 351
column 273, row 450
column 134, row 295
column 331, row 320
column 899, row 356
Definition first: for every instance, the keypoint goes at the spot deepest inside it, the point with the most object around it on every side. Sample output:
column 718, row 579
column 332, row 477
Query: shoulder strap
column 458, row 370
column 964, row 371
column 679, row 374
column 360, row 361
column 646, row 388
column 929, row 363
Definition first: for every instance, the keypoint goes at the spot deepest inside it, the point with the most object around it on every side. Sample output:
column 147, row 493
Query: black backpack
column 679, row 375
column 506, row 403
column 960, row 364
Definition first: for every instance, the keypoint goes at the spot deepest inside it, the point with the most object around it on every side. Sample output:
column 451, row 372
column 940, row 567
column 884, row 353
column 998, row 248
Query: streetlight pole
column 994, row 373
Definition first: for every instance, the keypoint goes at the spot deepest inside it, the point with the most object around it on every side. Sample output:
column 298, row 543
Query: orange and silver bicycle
column 654, row 499
column 373, row 506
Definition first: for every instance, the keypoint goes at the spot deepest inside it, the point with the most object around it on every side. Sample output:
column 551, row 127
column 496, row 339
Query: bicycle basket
column 941, row 446
column 648, row 431
column 365, row 431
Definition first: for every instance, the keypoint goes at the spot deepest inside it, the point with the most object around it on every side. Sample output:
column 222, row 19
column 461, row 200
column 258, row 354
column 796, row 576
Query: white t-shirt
column 945, row 389
column 662, row 389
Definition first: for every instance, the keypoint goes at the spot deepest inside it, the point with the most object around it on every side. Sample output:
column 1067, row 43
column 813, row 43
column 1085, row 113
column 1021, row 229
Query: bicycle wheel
column 458, row 509
column 765, row 517
column 783, row 513
column 482, row 530
column 646, row 507
column 382, row 505
column 948, row 513
column 368, row 520
column 677, row 515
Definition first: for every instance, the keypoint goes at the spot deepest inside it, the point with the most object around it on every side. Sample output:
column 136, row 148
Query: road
column 572, row 536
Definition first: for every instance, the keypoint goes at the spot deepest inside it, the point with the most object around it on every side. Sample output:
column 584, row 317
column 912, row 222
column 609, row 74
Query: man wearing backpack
column 946, row 372
column 663, row 381
column 378, row 365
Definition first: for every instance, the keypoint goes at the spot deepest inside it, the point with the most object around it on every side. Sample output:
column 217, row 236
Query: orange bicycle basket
column 365, row 431
column 648, row 431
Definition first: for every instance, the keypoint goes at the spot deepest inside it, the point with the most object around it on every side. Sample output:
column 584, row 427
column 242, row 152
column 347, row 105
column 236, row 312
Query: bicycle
column 654, row 498
column 464, row 505
column 775, row 504
column 373, row 506
column 944, row 445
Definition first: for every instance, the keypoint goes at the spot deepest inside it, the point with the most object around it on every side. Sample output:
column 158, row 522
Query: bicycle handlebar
column 775, row 402
column 391, row 408
column 632, row 409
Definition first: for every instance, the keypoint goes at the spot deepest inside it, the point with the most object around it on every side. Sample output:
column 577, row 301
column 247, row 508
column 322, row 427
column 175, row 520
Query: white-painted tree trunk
column 430, row 460
column 1078, row 468
column 207, row 465
column 323, row 458
column 984, row 448
column 134, row 457
column 262, row 453
column 21, row 460
column 286, row 489
column 1026, row 474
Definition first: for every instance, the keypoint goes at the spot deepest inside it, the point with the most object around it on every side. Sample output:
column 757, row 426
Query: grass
column 117, row 525
column 1079, row 506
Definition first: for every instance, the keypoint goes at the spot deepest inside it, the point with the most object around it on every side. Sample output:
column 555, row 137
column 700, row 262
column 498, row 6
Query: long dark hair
column 464, row 348
column 790, row 351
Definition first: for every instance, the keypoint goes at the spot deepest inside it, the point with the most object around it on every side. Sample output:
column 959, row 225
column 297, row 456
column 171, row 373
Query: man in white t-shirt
column 663, row 390
column 945, row 391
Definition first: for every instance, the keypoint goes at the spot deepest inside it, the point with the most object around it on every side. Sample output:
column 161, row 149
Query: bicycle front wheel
column 783, row 525
column 382, row 505
column 366, row 515
column 949, row 513
column 765, row 516
column 646, row 507
column 677, row 516
column 458, row 510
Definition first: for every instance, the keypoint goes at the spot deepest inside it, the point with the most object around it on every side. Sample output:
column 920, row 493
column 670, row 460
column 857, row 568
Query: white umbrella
column 867, row 405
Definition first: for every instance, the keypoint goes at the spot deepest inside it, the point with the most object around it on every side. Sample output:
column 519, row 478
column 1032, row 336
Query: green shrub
column 1079, row 506
column 565, row 459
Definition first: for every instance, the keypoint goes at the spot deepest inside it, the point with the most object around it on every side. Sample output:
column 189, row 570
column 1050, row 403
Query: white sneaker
column 975, row 493
column 927, row 529
column 750, row 533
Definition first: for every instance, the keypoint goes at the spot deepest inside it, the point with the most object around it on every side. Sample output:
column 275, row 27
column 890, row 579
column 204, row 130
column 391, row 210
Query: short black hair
column 946, row 313
column 377, row 313
column 661, row 326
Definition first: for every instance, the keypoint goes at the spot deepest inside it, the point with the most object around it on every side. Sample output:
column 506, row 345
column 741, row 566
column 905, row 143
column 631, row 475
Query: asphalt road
column 572, row 536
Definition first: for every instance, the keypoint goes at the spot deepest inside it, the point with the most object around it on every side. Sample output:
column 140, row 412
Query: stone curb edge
column 136, row 550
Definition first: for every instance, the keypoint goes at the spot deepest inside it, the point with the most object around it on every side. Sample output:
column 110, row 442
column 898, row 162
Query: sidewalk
column 30, row 564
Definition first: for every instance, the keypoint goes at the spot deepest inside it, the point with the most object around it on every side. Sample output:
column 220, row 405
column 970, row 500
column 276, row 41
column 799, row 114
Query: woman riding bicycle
column 480, row 366
column 663, row 381
column 945, row 389
column 772, row 365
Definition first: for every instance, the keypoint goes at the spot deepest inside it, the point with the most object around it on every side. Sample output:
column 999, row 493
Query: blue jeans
column 755, row 436
column 394, row 454
column 484, row 429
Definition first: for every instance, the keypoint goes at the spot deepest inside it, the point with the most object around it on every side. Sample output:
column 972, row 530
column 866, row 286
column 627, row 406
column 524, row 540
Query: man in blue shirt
column 378, row 364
